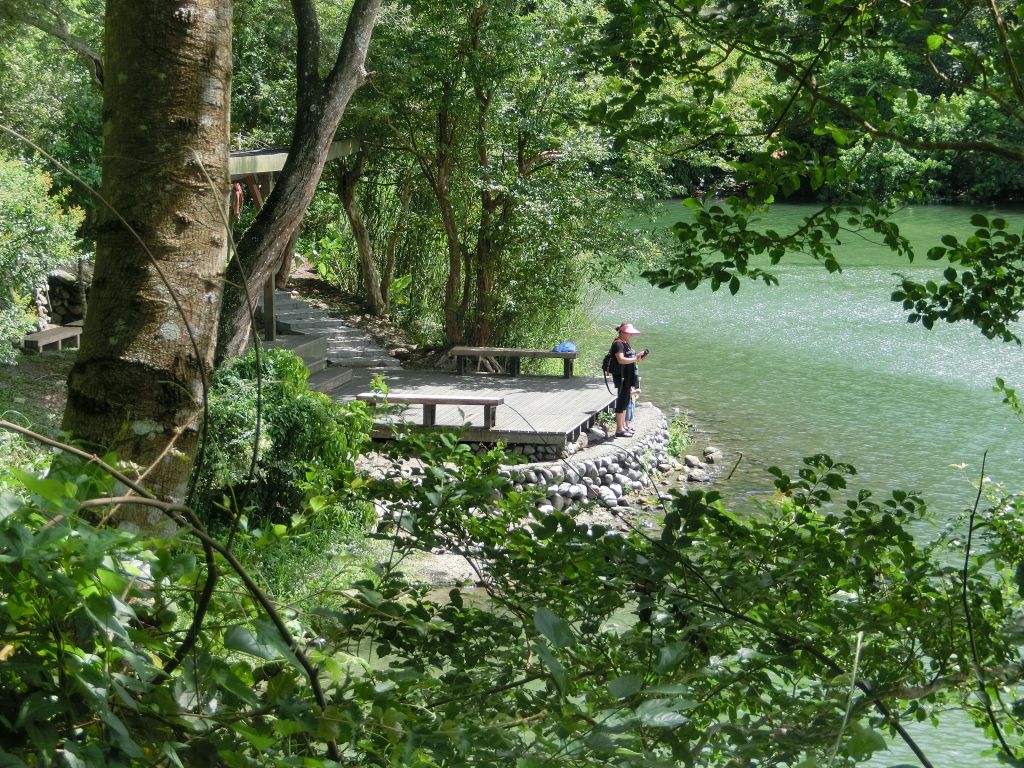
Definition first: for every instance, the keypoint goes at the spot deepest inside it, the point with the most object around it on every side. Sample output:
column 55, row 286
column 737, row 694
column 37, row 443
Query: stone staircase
column 330, row 349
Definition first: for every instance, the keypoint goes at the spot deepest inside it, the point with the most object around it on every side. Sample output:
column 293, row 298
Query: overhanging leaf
column 555, row 667
column 624, row 687
column 553, row 627
column 661, row 713
column 240, row 638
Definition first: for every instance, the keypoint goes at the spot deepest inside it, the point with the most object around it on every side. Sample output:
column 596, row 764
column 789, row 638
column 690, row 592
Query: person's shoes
column 627, row 433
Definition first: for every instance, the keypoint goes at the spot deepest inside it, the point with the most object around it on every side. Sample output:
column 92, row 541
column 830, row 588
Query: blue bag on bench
column 565, row 346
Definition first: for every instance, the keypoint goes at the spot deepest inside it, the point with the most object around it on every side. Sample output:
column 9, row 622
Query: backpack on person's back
column 610, row 367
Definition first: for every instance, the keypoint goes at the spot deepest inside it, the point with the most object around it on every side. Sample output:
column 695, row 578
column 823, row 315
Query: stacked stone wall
column 605, row 473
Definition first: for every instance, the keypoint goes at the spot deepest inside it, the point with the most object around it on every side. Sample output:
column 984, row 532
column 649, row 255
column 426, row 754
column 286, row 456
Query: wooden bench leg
column 429, row 415
column 567, row 368
column 513, row 367
column 460, row 364
column 490, row 413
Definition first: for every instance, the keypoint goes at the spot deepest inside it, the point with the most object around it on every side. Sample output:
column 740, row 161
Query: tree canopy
column 871, row 105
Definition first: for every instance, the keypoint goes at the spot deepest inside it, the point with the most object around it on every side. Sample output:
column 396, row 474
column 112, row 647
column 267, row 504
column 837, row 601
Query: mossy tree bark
column 147, row 347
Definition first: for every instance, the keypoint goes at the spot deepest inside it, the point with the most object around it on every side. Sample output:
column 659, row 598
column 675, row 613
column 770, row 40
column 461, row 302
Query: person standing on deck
column 625, row 375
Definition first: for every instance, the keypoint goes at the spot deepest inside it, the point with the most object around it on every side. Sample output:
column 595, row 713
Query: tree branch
column 58, row 28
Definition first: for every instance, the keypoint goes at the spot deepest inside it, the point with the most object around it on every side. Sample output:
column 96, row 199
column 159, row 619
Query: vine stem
column 849, row 698
column 986, row 700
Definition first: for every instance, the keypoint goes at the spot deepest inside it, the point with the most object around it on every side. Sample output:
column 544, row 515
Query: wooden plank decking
column 542, row 410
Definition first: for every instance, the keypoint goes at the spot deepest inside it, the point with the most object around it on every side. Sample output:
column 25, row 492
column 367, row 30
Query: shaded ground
column 34, row 390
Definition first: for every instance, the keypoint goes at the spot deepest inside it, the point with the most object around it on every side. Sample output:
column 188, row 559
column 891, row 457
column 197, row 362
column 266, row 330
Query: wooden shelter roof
column 256, row 162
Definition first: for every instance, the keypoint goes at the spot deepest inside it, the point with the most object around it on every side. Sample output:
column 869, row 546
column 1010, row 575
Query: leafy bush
column 719, row 640
column 37, row 235
column 306, row 450
column 32, row 396
column 106, row 659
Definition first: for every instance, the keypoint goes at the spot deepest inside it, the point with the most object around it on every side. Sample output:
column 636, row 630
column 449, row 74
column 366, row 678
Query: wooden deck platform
column 539, row 410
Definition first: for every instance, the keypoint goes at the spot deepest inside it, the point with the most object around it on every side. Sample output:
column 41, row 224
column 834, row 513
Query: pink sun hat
column 627, row 328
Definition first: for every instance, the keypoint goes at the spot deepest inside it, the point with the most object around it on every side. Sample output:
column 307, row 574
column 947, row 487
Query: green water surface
column 827, row 363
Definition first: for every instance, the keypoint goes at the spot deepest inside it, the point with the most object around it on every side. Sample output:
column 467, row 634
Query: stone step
column 331, row 377
column 362, row 360
column 320, row 325
column 289, row 308
column 352, row 343
column 298, row 314
column 280, row 296
column 348, row 346
column 283, row 301
column 307, row 346
column 316, row 317
column 315, row 364
column 346, row 349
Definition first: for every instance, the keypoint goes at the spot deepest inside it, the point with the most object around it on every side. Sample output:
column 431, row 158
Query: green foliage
column 31, row 394
column 333, row 258
column 37, row 235
column 505, row 214
column 263, row 82
column 725, row 640
column 725, row 242
column 983, row 282
column 719, row 640
column 105, row 657
column 679, row 434
column 1010, row 398
column 866, row 108
column 305, row 444
column 49, row 97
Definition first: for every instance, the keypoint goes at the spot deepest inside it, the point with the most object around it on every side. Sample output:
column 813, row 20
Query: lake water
column 827, row 363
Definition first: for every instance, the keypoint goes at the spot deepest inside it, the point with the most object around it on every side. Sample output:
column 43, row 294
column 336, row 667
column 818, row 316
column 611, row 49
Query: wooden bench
column 430, row 403
column 54, row 337
column 513, row 355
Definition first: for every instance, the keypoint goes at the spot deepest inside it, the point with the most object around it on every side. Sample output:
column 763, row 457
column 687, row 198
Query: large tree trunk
column 485, row 246
column 452, row 306
column 321, row 105
column 137, row 383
